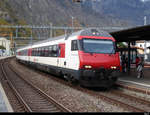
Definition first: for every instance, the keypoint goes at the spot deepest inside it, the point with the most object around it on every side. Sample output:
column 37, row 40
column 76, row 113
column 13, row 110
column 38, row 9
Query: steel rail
column 50, row 99
column 100, row 96
column 19, row 97
column 131, row 97
column 113, row 101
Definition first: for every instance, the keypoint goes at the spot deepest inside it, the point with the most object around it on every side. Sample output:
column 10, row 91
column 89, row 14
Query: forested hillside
column 58, row 12
column 129, row 10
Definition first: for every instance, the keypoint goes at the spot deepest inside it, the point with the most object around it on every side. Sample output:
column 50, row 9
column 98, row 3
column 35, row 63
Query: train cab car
column 88, row 56
column 93, row 55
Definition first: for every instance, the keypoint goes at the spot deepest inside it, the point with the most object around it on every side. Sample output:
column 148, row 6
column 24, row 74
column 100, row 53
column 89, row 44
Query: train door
column 72, row 57
column 67, row 53
column 61, row 59
column 29, row 54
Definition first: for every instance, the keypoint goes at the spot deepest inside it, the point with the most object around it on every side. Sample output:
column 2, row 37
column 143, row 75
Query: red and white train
column 88, row 56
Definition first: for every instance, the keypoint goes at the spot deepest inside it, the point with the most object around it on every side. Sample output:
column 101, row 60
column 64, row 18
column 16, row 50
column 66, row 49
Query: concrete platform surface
column 132, row 77
column 4, row 103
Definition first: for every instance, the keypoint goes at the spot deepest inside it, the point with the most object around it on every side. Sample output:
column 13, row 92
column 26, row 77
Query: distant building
column 6, row 44
column 141, row 46
column 4, row 15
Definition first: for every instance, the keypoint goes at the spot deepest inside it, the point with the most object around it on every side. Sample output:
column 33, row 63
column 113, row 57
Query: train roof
column 83, row 32
column 92, row 32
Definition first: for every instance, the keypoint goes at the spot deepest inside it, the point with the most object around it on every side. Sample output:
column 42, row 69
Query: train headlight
column 113, row 67
column 87, row 67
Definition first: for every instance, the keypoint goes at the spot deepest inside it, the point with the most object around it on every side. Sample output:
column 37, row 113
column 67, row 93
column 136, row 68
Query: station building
column 6, row 44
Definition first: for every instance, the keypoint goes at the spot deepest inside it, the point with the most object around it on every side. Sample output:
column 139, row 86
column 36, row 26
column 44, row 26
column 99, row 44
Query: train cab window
column 102, row 46
column 74, row 45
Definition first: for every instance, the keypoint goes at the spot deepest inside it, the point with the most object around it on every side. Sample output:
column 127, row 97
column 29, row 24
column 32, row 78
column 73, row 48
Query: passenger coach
column 88, row 56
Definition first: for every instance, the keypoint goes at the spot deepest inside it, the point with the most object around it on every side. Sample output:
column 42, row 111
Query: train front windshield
column 98, row 46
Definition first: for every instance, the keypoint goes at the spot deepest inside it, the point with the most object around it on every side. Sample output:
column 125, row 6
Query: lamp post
column 30, row 6
column 72, row 24
column 145, row 56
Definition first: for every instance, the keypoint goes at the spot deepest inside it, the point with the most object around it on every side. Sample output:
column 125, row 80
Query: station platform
column 143, row 82
column 3, row 57
column 4, row 103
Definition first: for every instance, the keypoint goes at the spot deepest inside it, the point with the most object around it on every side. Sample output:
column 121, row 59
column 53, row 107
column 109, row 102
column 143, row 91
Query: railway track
column 113, row 97
column 15, row 103
column 31, row 98
column 134, row 88
column 128, row 102
column 135, row 100
column 108, row 97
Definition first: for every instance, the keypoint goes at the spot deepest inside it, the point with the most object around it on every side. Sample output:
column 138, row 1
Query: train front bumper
column 98, row 77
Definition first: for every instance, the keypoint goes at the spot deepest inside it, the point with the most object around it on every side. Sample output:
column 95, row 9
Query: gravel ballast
column 71, row 98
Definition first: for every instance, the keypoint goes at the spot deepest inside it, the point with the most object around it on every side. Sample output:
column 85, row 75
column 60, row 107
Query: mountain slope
column 129, row 10
column 59, row 12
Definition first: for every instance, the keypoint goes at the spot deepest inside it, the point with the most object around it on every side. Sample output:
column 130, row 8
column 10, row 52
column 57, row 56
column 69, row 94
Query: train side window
column 26, row 52
column 32, row 52
column 38, row 51
column 50, row 51
column 23, row 52
column 43, row 51
column 74, row 45
column 46, row 51
column 37, row 54
column 59, row 51
column 54, row 51
column 35, row 51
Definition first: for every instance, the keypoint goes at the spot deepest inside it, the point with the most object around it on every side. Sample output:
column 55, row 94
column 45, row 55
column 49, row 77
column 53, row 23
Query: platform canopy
column 132, row 34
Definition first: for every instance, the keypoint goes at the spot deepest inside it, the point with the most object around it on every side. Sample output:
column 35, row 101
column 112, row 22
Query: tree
column 4, row 30
column 121, row 45
column 2, row 47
